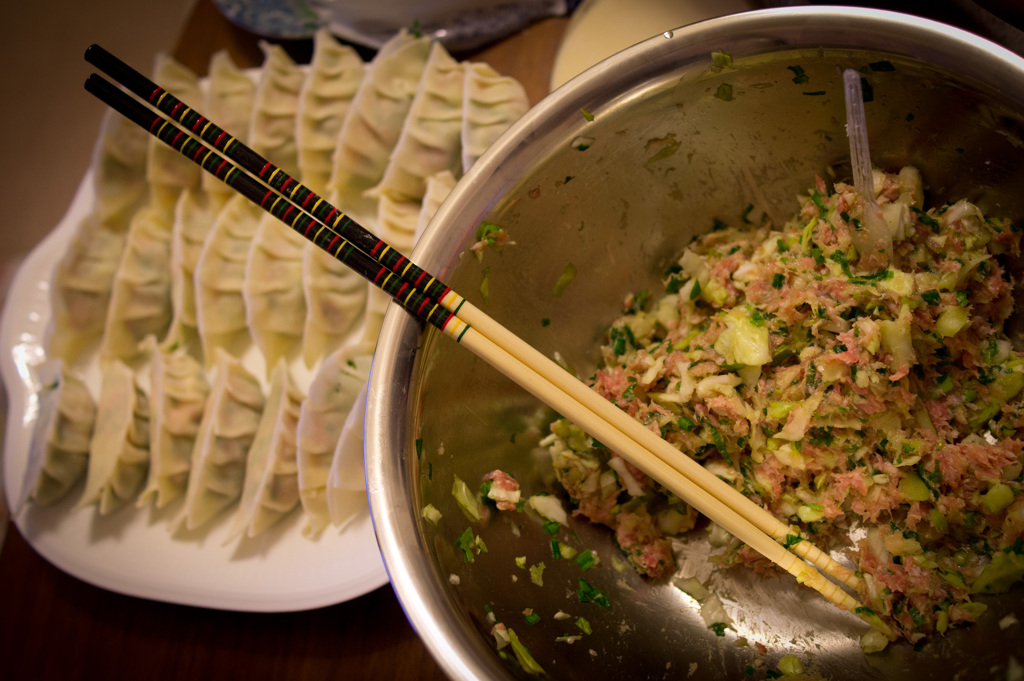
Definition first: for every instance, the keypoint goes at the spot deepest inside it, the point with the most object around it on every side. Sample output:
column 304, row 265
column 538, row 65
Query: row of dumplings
column 170, row 251
column 167, row 431
column 172, row 284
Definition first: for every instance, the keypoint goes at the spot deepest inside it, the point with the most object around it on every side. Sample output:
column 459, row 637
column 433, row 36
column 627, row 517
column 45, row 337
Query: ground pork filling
column 838, row 398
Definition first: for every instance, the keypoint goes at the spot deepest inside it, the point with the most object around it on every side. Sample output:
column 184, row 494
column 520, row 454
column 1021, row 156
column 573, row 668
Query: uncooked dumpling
column 178, row 392
column 332, row 393
column 334, row 76
column 375, row 122
column 275, row 109
column 430, row 137
column 65, row 439
column 119, row 450
column 140, row 302
column 167, row 171
column 271, row 489
column 226, row 432
column 194, row 216
column 219, row 278
column 229, row 98
column 275, row 306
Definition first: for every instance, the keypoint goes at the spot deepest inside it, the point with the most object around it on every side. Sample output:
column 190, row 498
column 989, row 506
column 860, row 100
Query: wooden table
column 54, row 626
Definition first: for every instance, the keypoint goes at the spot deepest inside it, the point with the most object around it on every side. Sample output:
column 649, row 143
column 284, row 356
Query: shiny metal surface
column 620, row 211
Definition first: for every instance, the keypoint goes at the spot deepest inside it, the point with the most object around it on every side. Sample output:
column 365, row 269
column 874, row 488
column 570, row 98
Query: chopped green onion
column 695, row 291
column 468, row 502
column 523, row 655
column 564, row 279
column 431, row 514
column 464, row 543
column 537, row 574
column 586, row 559
column 721, row 59
column 485, row 287
column 589, row 594
column 799, row 77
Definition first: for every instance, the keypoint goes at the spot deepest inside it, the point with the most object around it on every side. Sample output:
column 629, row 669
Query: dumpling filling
column 836, row 397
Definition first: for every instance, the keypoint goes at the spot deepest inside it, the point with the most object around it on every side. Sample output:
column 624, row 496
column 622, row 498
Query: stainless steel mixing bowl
column 675, row 142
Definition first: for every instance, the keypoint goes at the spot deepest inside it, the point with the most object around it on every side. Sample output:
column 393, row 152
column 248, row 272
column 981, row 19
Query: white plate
column 600, row 28
column 131, row 551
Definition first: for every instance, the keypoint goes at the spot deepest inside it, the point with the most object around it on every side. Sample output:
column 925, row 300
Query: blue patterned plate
column 285, row 19
column 460, row 24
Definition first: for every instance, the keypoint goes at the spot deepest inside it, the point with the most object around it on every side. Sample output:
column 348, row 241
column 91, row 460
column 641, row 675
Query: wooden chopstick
column 279, row 180
column 499, row 347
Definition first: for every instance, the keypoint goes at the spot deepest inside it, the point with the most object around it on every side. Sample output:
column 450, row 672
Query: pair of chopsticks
column 430, row 300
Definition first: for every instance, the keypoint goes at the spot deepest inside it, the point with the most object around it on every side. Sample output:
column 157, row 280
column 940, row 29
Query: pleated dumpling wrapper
column 346, row 481
column 332, row 393
column 491, row 103
column 194, row 216
column 81, row 288
column 373, row 125
column 275, row 305
column 167, row 171
column 439, row 186
column 119, row 450
column 275, row 109
column 84, row 276
column 335, row 303
column 335, row 73
column 397, row 221
column 429, row 141
column 428, row 144
column 140, row 302
column 271, row 489
column 177, row 398
column 59, row 454
column 226, row 433
column 400, row 224
column 229, row 98
column 220, row 277
column 119, row 170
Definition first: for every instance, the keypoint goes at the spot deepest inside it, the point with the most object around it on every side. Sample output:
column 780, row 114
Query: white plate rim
column 131, row 551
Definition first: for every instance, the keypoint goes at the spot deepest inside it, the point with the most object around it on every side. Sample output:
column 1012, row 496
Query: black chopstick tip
column 95, row 54
column 99, row 87
column 91, row 82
